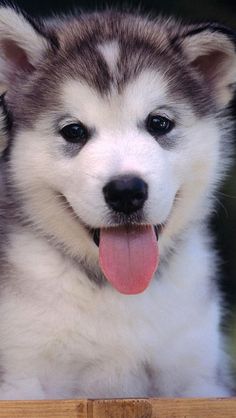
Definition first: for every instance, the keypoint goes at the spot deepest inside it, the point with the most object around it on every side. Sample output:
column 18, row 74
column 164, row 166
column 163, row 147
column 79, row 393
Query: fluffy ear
column 21, row 44
column 210, row 49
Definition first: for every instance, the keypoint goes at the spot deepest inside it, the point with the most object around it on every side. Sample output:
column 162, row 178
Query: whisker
column 227, row 195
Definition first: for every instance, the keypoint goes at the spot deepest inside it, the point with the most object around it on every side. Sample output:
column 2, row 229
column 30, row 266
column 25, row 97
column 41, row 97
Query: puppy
column 119, row 137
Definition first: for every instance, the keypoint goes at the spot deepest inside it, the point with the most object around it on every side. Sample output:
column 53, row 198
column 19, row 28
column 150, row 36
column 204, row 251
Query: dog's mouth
column 128, row 255
column 95, row 233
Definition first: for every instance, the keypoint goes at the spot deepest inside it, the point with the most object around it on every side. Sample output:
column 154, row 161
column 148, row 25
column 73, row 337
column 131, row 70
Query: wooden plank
column 138, row 408
column 121, row 408
column 43, row 409
column 164, row 408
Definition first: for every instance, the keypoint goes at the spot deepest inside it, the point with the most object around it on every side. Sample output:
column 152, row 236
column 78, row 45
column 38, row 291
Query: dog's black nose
column 126, row 194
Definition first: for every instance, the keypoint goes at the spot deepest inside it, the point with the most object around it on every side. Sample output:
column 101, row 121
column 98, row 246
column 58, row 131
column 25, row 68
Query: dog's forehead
column 146, row 92
column 106, row 55
column 115, row 60
column 111, row 49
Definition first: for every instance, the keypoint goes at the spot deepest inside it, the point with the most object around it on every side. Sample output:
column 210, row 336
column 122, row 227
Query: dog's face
column 115, row 129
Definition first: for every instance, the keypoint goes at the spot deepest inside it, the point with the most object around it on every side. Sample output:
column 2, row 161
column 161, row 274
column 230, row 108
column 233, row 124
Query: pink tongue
column 128, row 257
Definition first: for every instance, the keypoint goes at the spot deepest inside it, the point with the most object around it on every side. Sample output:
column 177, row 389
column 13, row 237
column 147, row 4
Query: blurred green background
column 224, row 221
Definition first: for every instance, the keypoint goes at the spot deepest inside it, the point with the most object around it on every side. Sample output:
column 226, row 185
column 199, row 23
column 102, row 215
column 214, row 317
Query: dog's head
column 116, row 131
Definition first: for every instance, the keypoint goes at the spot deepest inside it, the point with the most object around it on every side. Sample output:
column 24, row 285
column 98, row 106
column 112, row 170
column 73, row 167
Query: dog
column 115, row 136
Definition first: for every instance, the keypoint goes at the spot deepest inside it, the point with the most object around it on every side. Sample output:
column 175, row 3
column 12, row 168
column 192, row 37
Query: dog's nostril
column 126, row 194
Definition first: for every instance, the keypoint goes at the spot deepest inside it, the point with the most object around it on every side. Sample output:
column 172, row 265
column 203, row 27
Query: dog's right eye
column 75, row 133
column 158, row 125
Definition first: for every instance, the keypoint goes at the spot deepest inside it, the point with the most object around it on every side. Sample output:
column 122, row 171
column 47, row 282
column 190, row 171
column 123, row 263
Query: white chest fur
column 79, row 339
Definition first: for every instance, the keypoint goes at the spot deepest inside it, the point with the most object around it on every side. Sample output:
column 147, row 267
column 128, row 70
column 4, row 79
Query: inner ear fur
column 211, row 51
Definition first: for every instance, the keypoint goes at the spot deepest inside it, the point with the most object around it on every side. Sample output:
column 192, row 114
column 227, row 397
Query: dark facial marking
column 88, row 64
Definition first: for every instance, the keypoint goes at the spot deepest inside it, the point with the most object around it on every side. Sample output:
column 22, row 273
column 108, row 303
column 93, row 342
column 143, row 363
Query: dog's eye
column 158, row 125
column 75, row 132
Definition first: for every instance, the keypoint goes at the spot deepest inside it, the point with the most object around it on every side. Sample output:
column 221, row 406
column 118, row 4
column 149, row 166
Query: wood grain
column 165, row 408
column 122, row 408
column 43, row 409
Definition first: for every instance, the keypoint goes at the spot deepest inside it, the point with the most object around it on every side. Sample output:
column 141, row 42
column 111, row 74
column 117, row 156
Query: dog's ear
column 22, row 44
column 210, row 49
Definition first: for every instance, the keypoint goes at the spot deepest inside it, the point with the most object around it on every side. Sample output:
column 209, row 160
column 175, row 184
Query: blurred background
column 224, row 221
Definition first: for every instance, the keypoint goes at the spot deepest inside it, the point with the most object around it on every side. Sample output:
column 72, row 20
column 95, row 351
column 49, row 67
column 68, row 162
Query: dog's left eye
column 75, row 133
column 158, row 125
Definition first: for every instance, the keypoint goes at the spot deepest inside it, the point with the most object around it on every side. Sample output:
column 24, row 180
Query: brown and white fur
column 64, row 330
